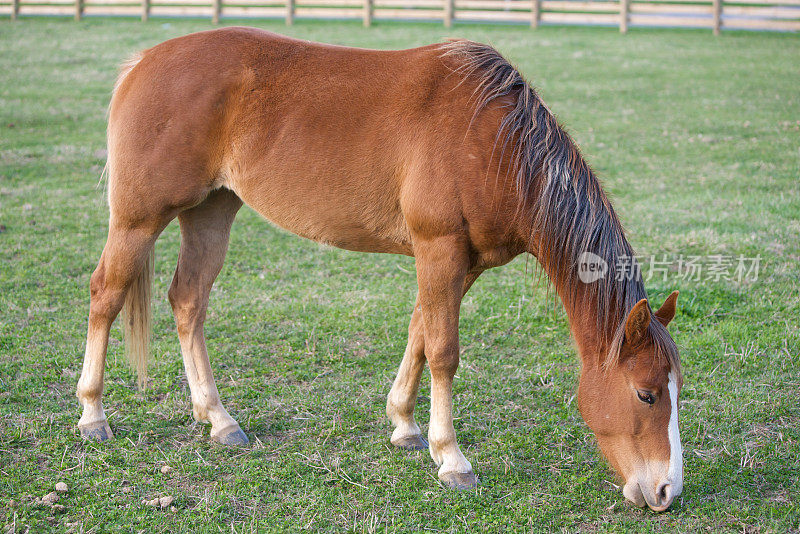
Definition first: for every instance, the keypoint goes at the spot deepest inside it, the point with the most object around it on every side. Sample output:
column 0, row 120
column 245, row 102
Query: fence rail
column 716, row 15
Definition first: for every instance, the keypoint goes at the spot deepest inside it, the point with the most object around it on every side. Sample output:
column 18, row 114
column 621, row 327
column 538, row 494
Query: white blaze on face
column 648, row 479
column 675, row 473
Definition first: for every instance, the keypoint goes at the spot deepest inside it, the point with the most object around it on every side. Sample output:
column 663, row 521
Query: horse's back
column 340, row 145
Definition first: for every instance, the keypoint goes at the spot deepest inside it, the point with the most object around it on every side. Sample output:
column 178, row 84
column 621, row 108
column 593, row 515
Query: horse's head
column 630, row 402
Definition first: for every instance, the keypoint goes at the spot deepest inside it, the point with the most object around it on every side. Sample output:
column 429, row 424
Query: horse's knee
column 442, row 358
column 415, row 324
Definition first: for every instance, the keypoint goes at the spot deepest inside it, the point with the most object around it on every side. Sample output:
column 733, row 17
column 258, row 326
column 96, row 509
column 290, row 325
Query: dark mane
column 570, row 214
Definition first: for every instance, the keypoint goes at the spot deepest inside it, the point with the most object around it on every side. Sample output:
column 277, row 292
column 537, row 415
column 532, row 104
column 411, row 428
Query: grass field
column 698, row 141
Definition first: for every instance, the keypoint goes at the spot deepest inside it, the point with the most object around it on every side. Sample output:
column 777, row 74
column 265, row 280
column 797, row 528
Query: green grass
column 697, row 139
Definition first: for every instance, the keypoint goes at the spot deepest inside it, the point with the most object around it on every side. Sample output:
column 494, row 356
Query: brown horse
column 443, row 153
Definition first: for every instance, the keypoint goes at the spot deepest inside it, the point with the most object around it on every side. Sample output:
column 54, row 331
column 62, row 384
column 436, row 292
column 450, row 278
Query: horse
column 444, row 153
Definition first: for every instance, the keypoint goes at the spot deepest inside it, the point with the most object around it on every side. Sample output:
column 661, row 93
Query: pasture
column 697, row 140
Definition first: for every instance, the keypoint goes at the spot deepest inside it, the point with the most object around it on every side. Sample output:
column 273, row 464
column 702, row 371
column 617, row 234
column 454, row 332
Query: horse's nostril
column 663, row 492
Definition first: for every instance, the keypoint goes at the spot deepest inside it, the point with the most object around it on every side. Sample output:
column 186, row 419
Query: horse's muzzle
column 658, row 500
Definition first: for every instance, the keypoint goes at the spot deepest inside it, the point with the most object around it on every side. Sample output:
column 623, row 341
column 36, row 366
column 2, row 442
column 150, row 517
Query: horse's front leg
column 442, row 265
column 402, row 398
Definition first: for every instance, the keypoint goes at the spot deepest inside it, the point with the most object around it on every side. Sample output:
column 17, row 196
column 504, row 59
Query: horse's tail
column 137, row 314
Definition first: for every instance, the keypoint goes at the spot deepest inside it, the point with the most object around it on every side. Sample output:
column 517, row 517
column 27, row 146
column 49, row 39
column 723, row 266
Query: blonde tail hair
column 137, row 315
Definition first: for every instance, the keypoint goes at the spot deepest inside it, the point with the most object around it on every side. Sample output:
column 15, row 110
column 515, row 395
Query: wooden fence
column 780, row 15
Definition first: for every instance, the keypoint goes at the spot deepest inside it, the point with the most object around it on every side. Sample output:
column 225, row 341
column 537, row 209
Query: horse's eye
column 644, row 396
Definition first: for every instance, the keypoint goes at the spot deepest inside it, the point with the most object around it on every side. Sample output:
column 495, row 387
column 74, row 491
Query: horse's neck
column 593, row 320
column 581, row 309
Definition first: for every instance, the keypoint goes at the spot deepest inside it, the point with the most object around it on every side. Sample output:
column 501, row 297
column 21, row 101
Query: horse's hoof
column 459, row 481
column 97, row 431
column 411, row 443
column 231, row 436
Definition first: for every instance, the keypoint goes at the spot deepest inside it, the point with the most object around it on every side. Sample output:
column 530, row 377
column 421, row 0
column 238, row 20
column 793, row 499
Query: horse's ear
column 667, row 310
column 637, row 323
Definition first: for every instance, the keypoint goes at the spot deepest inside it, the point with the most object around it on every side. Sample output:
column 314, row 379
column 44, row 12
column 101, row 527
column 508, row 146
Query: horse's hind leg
column 205, row 230
column 402, row 398
column 123, row 259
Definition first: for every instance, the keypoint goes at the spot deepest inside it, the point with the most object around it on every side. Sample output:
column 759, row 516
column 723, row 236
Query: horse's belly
column 361, row 222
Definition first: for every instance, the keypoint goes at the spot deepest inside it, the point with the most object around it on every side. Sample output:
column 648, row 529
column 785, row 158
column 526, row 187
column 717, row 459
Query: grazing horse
column 444, row 153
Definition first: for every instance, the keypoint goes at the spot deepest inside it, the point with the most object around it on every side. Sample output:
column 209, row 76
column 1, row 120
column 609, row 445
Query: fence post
column 78, row 9
column 449, row 6
column 367, row 13
column 624, row 13
column 536, row 13
column 717, row 8
column 216, row 7
column 145, row 10
column 14, row 9
column 289, row 12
